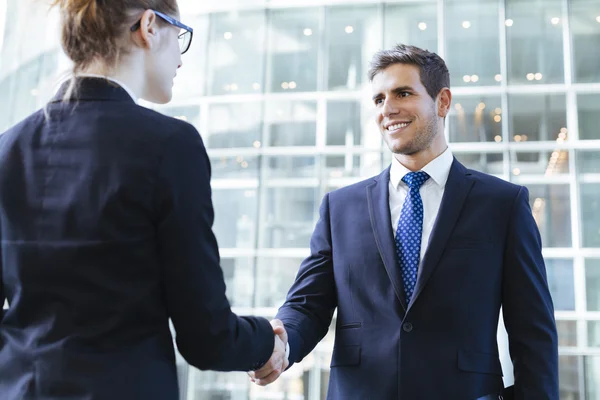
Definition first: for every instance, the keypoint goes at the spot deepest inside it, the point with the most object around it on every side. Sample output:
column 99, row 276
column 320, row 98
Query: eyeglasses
column 185, row 37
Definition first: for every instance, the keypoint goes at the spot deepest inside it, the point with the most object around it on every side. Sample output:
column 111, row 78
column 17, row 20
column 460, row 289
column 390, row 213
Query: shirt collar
column 438, row 169
column 127, row 89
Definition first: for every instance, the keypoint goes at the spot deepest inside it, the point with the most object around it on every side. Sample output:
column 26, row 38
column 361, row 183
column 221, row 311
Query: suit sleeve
column 208, row 334
column 527, row 308
column 311, row 301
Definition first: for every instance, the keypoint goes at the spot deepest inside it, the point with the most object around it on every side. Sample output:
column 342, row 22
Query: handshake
column 278, row 362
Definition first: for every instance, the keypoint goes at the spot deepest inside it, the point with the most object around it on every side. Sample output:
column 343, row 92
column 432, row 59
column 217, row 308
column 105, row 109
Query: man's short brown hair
column 433, row 70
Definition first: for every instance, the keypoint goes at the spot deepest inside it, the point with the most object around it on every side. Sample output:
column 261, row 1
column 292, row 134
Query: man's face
column 406, row 115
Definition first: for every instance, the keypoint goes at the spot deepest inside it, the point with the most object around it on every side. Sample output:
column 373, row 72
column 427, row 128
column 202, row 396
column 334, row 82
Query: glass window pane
column 490, row 163
column 236, row 52
column 588, row 107
column 291, row 123
column 545, row 162
column 588, row 162
column 189, row 114
column 585, row 31
column 274, row 278
column 568, row 377
column 567, row 333
column 290, row 216
column 476, row 119
column 353, row 35
column 239, row 280
column 472, row 42
column 537, row 117
column 414, row 24
column 235, row 217
column 594, row 333
column 551, row 208
column 234, row 125
column 344, row 123
column 234, row 167
column 561, row 283
column 291, row 167
column 534, row 42
column 590, row 214
column 350, row 166
column 294, row 44
column 592, row 377
column 592, row 283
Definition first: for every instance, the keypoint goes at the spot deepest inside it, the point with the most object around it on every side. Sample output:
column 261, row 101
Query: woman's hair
column 92, row 30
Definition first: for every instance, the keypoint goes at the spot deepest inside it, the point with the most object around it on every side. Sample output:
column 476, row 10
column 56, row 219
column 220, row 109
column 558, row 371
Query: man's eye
column 378, row 101
column 404, row 94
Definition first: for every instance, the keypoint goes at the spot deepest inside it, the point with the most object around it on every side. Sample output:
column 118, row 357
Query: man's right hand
column 278, row 362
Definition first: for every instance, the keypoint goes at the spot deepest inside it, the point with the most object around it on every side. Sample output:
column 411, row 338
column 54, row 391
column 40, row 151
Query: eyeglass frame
column 171, row 21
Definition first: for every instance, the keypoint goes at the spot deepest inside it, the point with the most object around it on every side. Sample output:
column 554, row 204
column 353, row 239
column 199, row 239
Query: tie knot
column 414, row 180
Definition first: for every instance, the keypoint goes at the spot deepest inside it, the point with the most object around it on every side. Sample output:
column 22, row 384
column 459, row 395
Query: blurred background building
column 278, row 90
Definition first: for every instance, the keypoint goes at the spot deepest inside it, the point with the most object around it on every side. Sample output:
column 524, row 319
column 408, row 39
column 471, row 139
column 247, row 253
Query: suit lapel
column 456, row 191
column 379, row 212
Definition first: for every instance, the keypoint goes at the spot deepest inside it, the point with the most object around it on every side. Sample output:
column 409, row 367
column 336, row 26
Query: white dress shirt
column 128, row 90
column 431, row 193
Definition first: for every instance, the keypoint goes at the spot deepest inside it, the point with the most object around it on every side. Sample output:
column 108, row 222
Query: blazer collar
column 94, row 89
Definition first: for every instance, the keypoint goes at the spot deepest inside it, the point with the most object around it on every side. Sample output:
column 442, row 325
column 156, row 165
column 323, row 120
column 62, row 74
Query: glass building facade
column 279, row 91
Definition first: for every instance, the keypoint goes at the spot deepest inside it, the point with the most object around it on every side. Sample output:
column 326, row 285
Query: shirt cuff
column 287, row 351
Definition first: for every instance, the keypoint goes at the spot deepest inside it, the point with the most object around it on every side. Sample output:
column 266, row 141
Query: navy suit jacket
column 106, row 234
column 484, row 253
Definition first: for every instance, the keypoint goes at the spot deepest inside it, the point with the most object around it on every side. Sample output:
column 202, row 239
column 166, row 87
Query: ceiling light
column 498, row 138
column 497, row 118
column 307, row 32
column 474, row 78
column 516, row 171
column 530, row 77
column 466, row 24
column 292, row 85
column 509, row 22
column 538, row 76
column 349, row 29
column 555, row 21
column 498, row 78
column 467, row 78
column 228, row 35
column 423, row 25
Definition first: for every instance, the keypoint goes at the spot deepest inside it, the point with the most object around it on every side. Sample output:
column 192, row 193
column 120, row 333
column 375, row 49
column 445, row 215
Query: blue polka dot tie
column 410, row 229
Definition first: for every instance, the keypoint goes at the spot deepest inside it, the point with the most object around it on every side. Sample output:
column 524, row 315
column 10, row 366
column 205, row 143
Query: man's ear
column 444, row 100
column 146, row 36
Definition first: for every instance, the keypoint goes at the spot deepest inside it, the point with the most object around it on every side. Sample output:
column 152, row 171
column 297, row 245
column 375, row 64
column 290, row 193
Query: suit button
column 407, row 327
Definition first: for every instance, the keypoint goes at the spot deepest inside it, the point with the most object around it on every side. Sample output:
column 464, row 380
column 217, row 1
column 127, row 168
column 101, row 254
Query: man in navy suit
column 418, row 262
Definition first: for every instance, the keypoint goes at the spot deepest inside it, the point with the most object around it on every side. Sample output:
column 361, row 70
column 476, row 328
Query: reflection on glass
column 592, row 283
column 567, row 333
column 594, row 333
column 538, row 117
column 239, row 280
column 534, row 42
column 588, row 162
column 585, row 31
column 472, row 42
column 590, row 213
column 561, row 283
column 344, row 123
column 588, row 106
column 551, row 208
column 545, row 162
column 211, row 385
column 190, row 114
column 294, row 44
column 291, row 166
column 235, row 125
column 236, row 52
column 568, row 377
column 476, row 119
column 235, row 217
column 490, row 163
column 352, row 36
column 291, row 123
column 234, row 167
column 274, row 278
column 411, row 23
column 348, row 165
column 592, row 372
column 290, row 216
